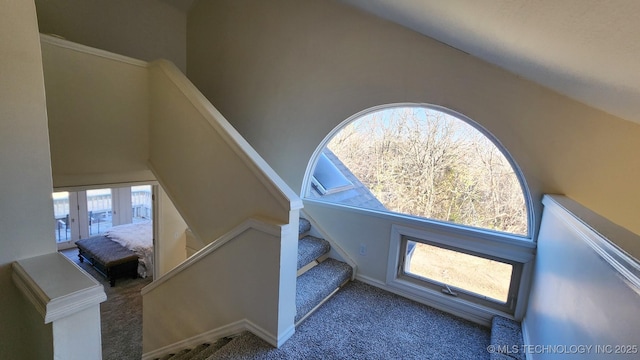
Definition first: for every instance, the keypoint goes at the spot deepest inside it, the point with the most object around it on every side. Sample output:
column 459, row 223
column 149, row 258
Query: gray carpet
column 311, row 248
column 364, row 322
column 359, row 322
column 506, row 334
column 121, row 314
column 316, row 284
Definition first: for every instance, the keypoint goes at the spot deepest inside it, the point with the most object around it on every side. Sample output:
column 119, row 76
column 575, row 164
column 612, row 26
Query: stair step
column 506, row 333
column 303, row 226
column 311, row 248
column 244, row 346
column 189, row 354
column 204, row 351
column 314, row 286
column 175, row 356
column 200, row 352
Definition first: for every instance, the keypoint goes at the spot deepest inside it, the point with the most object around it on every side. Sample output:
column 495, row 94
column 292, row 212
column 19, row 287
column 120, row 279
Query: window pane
column 479, row 275
column 327, row 178
column 426, row 163
column 100, row 210
column 61, row 216
column 141, row 203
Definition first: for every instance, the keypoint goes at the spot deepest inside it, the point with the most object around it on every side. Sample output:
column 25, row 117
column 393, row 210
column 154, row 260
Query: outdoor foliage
column 426, row 163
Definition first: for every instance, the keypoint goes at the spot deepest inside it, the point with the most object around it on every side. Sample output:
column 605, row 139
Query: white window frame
column 335, row 179
column 492, row 245
column 507, row 306
column 308, row 179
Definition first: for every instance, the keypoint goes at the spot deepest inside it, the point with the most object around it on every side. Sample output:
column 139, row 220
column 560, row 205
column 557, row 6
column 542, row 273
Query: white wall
column 285, row 73
column 98, row 116
column 143, row 29
column 578, row 297
column 26, row 207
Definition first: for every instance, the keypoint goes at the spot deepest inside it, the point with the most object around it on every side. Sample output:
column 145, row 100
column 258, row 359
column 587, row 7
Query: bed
column 122, row 251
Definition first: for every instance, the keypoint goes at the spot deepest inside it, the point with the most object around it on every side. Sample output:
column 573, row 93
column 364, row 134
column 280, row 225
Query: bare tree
column 430, row 164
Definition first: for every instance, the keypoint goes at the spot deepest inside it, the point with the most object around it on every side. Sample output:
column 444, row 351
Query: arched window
column 422, row 161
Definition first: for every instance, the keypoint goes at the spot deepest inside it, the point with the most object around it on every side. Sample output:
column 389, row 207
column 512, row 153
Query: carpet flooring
column 358, row 322
column 364, row 322
column 120, row 314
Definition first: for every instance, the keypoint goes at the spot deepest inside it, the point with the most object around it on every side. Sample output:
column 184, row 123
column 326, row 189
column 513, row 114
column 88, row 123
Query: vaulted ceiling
column 588, row 50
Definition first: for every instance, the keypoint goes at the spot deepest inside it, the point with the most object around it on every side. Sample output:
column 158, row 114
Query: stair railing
column 245, row 279
column 210, row 172
column 231, row 285
column 215, row 179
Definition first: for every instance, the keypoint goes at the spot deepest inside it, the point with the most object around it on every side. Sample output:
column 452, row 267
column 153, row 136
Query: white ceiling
column 588, row 50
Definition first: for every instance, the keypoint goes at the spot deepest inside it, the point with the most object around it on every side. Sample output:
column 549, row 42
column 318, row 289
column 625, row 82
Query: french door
column 82, row 214
column 69, row 225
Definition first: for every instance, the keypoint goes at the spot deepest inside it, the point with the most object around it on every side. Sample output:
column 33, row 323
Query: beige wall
column 285, row 73
column 98, row 117
column 172, row 236
column 26, row 208
column 143, row 29
column 214, row 185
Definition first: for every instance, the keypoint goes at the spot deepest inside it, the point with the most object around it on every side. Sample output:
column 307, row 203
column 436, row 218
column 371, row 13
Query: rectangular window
column 456, row 272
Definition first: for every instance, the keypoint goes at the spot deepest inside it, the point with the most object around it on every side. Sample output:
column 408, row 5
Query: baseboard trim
column 210, row 336
column 268, row 337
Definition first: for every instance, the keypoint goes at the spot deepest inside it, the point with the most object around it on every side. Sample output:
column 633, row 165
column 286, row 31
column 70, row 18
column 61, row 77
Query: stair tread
column 191, row 353
column 316, row 284
column 312, row 288
column 311, row 248
column 210, row 350
column 175, row 356
column 303, row 226
column 241, row 347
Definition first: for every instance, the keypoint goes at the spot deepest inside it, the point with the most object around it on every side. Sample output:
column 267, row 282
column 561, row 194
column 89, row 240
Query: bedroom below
column 86, row 213
column 112, row 229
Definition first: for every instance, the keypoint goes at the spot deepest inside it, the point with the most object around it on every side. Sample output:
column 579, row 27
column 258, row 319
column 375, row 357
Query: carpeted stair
column 318, row 284
column 310, row 249
column 200, row 352
column 319, row 277
column 506, row 339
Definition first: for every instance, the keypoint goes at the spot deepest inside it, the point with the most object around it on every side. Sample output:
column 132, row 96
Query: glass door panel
column 100, row 211
column 61, row 216
column 141, row 203
column 65, row 216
